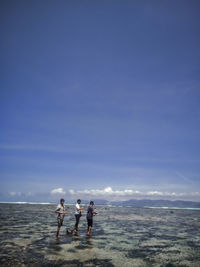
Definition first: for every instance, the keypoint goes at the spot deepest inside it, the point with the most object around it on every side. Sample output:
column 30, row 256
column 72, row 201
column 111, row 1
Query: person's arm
column 94, row 212
column 59, row 211
column 79, row 209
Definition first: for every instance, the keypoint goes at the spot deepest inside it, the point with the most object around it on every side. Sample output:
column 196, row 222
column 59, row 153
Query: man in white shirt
column 61, row 214
column 77, row 215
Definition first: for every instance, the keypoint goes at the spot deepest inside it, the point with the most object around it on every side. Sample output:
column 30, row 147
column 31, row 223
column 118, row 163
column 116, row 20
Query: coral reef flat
column 121, row 236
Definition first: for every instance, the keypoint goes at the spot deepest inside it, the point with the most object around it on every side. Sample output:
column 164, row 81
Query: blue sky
column 98, row 98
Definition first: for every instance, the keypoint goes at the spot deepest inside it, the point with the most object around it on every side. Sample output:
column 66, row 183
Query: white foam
column 172, row 208
column 22, row 202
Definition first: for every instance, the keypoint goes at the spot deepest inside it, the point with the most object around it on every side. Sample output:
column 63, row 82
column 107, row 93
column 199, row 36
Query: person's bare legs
column 58, row 232
column 89, row 229
column 77, row 216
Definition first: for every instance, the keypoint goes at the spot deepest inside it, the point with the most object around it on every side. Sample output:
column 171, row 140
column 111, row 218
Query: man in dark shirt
column 90, row 213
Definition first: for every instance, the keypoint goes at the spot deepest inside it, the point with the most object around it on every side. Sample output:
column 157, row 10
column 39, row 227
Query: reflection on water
column 121, row 236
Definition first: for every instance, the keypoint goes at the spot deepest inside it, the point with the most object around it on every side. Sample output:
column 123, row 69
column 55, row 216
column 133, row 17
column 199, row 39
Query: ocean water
column 121, row 236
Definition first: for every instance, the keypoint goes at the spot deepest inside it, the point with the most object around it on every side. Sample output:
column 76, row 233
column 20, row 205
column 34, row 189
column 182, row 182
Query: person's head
column 78, row 201
column 91, row 203
column 62, row 201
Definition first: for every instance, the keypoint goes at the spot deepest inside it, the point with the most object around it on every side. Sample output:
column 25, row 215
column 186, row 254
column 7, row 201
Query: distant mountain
column 157, row 203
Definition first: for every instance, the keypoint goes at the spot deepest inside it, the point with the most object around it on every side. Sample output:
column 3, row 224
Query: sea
column 121, row 236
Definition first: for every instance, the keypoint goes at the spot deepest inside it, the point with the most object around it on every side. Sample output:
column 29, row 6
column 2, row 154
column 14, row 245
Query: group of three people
column 60, row 210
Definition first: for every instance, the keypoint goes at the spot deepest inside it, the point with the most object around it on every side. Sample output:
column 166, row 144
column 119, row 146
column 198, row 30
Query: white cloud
column 15, row 194
column 155, row 193
column 71, row 191
column 58, row 191
column 108, row 190
column 109, row 193
column 30, row 194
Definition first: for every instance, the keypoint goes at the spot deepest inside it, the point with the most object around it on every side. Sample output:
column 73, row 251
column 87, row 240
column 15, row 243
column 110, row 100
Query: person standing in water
column 61, row 214
column 77, row 215
column 90, row 213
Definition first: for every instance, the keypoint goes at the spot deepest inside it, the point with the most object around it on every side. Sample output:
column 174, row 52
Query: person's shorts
column 60, row 222
column 90, row 222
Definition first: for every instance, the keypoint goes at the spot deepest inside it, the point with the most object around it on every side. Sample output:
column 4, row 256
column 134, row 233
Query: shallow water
column 121, row 236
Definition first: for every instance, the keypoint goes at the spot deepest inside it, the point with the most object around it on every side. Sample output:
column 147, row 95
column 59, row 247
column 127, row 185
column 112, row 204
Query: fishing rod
column 104, row 207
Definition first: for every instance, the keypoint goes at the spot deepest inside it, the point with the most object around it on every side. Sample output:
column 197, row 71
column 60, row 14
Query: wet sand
column 121, row 236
